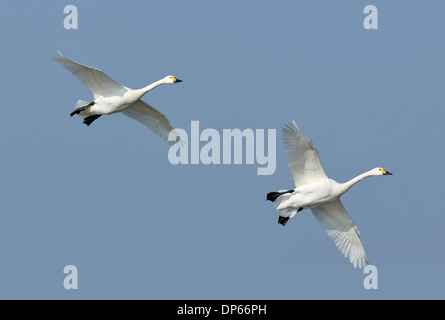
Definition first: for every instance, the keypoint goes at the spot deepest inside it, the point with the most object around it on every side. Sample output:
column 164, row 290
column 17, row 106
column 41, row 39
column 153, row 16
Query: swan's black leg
column 300, row 209
column 89, row 120
column 79, row 110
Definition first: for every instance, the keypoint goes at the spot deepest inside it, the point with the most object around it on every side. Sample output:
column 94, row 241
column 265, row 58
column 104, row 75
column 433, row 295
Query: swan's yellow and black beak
column 176, row 80
column 386, row 173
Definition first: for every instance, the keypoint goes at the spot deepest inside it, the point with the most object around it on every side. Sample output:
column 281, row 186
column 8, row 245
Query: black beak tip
column 178, row 80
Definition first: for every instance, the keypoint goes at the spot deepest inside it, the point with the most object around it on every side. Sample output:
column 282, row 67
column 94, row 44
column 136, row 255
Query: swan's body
column 110, row 97
column 315, row 191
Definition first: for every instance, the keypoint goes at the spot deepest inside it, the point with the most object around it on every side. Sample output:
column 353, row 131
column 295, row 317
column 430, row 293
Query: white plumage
column 315, row 191
column 110, row 97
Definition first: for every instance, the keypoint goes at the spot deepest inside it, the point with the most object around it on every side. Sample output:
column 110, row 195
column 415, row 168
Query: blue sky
column 106, row 199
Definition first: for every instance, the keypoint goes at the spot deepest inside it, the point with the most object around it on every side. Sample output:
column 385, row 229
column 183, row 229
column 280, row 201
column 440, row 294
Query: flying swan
column 110, row 97
column 315, row 191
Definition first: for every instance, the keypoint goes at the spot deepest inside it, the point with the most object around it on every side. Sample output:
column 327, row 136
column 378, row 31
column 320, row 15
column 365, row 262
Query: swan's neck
column 348, row 185
column 150, row 87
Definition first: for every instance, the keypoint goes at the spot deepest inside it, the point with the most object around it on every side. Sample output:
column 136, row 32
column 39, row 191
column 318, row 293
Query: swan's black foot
column 79, row 110
column 283, row 220
column 90, row 119
column 272, row 196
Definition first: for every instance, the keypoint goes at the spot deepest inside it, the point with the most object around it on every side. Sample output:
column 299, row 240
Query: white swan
column 315, row 191
column 110, row 97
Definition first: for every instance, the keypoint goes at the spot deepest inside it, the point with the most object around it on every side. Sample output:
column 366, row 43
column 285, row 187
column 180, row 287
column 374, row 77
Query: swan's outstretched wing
column 98, row 82
column 302, row 154
column 152, row 118
column 340, row 227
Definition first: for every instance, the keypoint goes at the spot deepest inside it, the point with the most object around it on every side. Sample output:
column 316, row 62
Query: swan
column 110, row 97
column 315, row 191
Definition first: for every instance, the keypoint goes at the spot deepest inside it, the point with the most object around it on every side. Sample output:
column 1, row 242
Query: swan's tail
column 272, row 196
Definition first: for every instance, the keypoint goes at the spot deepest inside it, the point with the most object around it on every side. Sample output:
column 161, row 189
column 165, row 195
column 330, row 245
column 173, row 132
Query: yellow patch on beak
column 383, row 171
column 174, row 79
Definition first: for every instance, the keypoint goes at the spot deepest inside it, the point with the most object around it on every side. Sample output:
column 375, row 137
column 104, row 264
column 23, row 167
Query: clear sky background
column 106, row 199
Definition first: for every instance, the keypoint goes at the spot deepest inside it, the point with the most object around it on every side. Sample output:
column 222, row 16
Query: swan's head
column 171, row 79
column 380, row 172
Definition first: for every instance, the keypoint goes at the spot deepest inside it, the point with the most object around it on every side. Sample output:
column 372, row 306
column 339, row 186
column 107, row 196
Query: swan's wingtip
column 291, row 126
column 58, row 56
column 177, row 144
